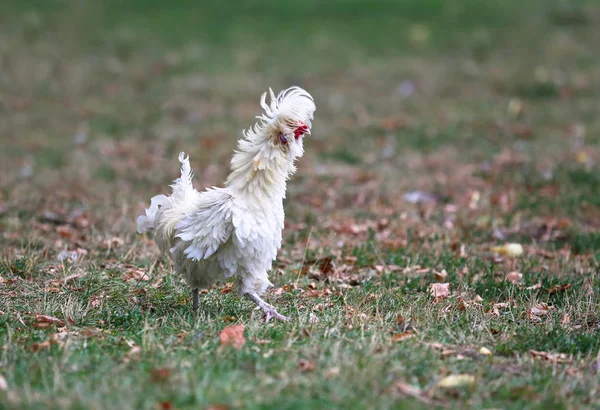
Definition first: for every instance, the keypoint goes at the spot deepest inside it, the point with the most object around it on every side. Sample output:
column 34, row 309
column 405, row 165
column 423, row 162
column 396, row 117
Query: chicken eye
column 283, row 139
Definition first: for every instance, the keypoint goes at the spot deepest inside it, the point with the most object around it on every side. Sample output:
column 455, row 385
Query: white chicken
column 235, row 231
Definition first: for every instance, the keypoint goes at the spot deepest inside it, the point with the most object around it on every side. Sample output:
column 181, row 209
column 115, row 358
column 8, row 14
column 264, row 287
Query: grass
column 488, row 108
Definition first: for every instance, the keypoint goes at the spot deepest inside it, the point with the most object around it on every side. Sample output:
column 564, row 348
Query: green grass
column 491, row 106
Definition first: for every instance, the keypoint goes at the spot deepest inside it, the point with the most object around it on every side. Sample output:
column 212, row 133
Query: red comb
column 303, row 129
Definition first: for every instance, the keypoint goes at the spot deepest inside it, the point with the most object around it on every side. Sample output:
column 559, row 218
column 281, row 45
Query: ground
column 443, row 131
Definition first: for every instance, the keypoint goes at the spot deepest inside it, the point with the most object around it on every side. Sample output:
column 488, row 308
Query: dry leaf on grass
column 159, row 374
column 495, row 311
column 540, row 309
column 456, row 380
column 36, row 347
column 485, row 351
column 440, row 276
column 43, row 321
column 534, row 287
column 439, row 290
column 509, row 249
column 136, row 274
column 514, row 276
column 399, row 337
column 228, row 288
column 551, row 357
column 559, row 288
column 233, row 336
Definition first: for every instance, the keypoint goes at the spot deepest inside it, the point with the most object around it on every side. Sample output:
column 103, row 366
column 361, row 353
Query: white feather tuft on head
column 294, row 104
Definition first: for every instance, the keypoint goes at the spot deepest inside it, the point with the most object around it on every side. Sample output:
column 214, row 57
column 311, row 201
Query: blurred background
column 488, row 106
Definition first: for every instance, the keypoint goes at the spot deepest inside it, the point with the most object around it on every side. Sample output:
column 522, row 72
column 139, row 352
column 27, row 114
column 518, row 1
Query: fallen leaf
column 495, row 311
column 306, row 365
column 536, row 311
column 559, row 288
column 551, row 357
column 402, row 336
column 65, row 231
column 408, row 389
column 514, row 277
column 534, row 287
column 43, row 321
column 439, row 290
column 565, row 319
column 72, row 277
column 233, row 336
column 165, row 405
column 136, row 274
column 485, row 351
column 36, row 347
column 159, row 374
column 228, row 288
column 456, row 380
column 440, row 276
column 509, row 249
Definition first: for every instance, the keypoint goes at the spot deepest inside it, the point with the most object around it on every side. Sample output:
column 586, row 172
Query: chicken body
column 235, row 231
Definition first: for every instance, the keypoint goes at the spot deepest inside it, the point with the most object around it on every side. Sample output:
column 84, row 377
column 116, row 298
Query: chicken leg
column 269, row 310
column 195, row 301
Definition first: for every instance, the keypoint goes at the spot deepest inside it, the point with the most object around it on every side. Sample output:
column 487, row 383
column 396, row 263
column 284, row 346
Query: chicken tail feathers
column 182, row 186
column 165, row 212
column 147, row 222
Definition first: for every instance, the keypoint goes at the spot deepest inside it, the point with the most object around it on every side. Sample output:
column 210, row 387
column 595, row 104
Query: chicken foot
column 269, row 310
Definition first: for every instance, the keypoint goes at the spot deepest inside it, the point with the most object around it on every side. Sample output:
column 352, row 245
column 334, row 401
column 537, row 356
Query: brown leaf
column 439, row 290
column 495, row 311
column 36, row 347
column 159, row 374
column 165, row 405
column 559, row 288
column 514, row 276
column 65, row 231
column 326, row 266
column 440, row 276
column 136, row 274
column 534, row 287
column 551, row 357
column 306, row 365
column 233, row 336
column 228, row 288
column 43, row 321
column 399, row 337
column 536, row 311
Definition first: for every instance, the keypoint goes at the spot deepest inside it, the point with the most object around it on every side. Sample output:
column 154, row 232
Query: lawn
column 444, row 131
